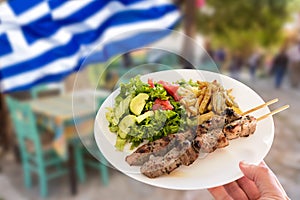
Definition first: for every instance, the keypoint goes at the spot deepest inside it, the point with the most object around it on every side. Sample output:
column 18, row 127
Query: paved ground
column 284, row 159
column 284, row 156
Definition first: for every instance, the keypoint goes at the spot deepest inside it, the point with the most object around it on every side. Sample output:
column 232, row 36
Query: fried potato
column 230, row 99
column 196, row 91
column 202, row 84
column 205, row 100
column 201, row 96
column 202, row 118
column 209, row 107
column 237, row 110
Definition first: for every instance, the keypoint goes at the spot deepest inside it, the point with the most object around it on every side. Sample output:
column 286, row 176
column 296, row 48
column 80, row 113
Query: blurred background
column 47, row 62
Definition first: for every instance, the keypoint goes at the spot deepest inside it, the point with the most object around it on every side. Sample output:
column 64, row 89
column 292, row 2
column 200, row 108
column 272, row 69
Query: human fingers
column 248, row 187
column 235, row 191
column 263, row 164
column 219, row 193
column 263, row 178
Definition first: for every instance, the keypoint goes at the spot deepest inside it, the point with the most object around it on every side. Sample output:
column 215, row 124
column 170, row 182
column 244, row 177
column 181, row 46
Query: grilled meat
column 230, row 115
column 210, row 141
column 211, row 134
column 183, row 154
column 190, row 154
column 160, row 165
column 167, row 154
column 157, row 148
column 240, row 128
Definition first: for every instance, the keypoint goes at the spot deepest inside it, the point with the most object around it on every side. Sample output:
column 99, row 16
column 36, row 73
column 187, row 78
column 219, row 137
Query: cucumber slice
column 142, row 117
column 125, row 124
column 120, row 143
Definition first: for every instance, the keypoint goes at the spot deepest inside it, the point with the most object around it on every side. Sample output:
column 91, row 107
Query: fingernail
column 244, row 164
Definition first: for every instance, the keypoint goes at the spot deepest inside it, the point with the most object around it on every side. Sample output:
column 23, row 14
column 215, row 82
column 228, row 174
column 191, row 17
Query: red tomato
column 171, row 89
column 162, row 105
column 150, row 82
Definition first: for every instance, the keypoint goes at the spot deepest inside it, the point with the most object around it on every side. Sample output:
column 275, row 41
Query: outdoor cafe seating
column 45, row 130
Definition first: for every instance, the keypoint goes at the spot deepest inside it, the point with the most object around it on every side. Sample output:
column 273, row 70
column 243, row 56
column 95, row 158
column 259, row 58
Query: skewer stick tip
column 273, row 112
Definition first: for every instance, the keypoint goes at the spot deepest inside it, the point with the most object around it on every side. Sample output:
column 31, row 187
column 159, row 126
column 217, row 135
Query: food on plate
column 138, row 103
column 183, row 148
column 154, row 109
column 208, row 137
column 157, row 148
column 149, row 111
column 176, row 122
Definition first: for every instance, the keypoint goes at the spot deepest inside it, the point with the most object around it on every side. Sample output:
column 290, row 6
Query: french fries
column 207, row 99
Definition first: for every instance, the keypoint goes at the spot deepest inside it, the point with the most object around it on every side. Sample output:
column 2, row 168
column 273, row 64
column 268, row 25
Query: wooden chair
column 36, row 158
column 47, row 89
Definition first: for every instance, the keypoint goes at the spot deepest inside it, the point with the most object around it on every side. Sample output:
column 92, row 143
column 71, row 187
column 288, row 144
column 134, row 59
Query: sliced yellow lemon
column 138, row 102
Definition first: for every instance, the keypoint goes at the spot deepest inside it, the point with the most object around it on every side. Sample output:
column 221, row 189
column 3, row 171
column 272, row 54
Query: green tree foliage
column 243, row 24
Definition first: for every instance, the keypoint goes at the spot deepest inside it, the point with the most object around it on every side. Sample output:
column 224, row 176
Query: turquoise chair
column 90, row 156
column 34, row 156
column 83, row 156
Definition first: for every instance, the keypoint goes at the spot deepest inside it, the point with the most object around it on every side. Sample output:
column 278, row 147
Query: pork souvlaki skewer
column 186, row 152
column 161, row 146
column 165, row 155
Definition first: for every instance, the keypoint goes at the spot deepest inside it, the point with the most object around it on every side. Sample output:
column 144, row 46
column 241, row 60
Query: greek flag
column 44, row 41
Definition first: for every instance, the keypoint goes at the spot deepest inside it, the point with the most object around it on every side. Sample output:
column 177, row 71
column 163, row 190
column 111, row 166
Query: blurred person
column 209, row 49
column 279, row 66
column 207, row 61
column 293, row 54
column 127, row 60
column 220, row 57
column 268, row 63
column 258, row 182
column 111, row 80
column 235, row 66
column 253, row 63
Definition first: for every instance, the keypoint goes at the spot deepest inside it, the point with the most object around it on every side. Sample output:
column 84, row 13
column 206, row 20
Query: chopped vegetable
column 125, row 125
column 138, row 102
column 144, row 116
column 171, row 89
column 162, row 105
column 151, row 83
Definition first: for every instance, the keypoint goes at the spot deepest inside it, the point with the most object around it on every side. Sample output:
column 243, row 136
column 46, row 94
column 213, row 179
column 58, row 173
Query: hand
column 258, row 182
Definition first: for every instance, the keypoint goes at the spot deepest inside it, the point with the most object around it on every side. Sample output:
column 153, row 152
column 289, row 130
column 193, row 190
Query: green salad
column 147, row 111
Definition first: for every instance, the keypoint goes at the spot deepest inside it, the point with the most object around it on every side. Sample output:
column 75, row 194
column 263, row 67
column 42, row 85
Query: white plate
column 219, row 167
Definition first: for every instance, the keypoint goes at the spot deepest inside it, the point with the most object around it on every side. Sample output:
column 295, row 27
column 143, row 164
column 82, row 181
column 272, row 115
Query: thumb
column 261, row 175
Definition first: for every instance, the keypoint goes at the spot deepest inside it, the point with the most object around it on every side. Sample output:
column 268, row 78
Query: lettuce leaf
column 161, row 123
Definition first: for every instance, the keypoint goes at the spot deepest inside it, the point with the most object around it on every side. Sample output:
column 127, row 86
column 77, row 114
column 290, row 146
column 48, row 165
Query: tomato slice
column 150, row 82
column 171, row 89
column 162, row 105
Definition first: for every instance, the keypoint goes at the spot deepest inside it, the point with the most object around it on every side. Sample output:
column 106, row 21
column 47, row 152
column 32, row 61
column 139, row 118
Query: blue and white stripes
column 43, row 41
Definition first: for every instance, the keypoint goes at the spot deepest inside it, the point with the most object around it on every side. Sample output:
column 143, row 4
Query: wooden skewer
column 273, row 112
column 260, row 106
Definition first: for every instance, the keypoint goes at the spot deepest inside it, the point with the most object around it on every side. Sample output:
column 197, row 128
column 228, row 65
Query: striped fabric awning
column 44, row 41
